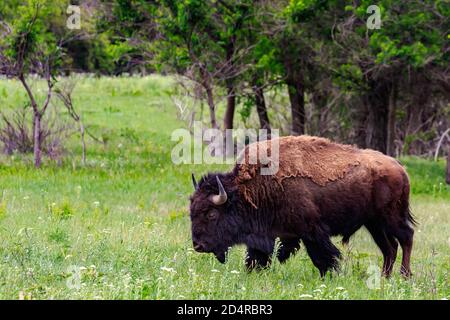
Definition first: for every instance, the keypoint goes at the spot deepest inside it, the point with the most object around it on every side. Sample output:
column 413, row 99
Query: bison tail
column 410, row 217
column 404, row 202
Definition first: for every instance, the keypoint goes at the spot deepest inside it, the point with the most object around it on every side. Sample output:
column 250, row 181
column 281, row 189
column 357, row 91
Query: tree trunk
column 83, row 143
column 229, row 82
column 231, row 105
column 415, row 113
column 377, row 126
column 447, row 178
column 261, row 108
column 37, row 139
column 390, row 143
column 294, row 81
column 297, row 99
column 212, row 108
column 209, row 96
column 360, row 120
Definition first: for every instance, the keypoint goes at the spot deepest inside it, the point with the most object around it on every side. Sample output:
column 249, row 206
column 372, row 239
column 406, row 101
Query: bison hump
column 315, row 158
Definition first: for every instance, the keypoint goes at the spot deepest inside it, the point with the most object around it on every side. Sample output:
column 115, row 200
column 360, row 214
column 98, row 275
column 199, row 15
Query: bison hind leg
column 404, row 234
column 387, row 244
column 322, row 251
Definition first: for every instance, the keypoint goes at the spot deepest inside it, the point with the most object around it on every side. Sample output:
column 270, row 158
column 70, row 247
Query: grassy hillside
column 118, row 227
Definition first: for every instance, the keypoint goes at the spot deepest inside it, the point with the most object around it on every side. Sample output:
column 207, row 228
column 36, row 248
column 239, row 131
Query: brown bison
column 321, row 189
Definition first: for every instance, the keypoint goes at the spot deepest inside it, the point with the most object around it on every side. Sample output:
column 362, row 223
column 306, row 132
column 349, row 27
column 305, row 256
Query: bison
column 321, row 189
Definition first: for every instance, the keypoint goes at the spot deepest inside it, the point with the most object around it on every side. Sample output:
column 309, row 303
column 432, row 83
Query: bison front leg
column 322, row 252
column 287, row 249
column 256, row 259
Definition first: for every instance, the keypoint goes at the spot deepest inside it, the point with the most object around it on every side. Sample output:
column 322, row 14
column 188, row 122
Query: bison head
column 215, row 225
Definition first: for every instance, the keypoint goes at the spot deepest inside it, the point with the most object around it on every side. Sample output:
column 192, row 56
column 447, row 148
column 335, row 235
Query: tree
column 64, row 93
column 296, row 30
column 386, row 63
column 201, row 40
column 447, row 177
column 30, row 44
column 186, row 48
column 126, row 30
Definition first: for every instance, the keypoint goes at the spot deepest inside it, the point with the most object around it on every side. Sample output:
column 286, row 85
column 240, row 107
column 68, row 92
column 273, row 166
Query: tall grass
column 118, row 227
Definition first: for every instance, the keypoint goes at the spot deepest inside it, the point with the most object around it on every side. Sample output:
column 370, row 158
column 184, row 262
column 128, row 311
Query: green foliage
column 34, row 18
column 3, row 210
column 61, row 211
column 305, row 10
column 427, row 177
column 409, row 34
column 349, row 77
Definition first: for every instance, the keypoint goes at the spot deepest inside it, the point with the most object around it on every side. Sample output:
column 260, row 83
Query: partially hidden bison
column 321, row 189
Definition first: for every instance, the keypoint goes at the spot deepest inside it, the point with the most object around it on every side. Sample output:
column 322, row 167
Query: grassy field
column 118, row 227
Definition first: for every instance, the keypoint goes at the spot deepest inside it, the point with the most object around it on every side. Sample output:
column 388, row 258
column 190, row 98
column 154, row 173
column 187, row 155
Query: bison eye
column 212, row 214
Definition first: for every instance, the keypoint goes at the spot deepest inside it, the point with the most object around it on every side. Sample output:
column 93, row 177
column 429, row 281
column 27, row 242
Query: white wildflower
column 171, row 270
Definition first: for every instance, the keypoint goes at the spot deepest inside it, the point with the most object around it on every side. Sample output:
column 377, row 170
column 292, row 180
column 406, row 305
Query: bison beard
column 322, row 189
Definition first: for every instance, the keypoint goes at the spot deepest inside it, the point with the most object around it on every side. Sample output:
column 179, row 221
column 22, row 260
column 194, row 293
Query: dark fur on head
column 235, row 222
column 215, row 228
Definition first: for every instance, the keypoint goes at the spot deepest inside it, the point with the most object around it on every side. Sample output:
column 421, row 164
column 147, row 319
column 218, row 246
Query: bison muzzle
column 321, row 189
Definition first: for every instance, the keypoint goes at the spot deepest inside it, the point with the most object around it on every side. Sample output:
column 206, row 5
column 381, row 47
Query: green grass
column 118, row 228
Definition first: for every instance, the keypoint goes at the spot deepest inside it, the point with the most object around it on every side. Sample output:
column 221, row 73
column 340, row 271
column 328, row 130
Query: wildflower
column 340, row 288
column 234, row 271
column 171, row 270
column 317, row 290
column 215, row 270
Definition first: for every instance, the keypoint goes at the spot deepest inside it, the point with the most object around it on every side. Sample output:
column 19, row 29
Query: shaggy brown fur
column 315, row 158
column 318, row 159
column 322, row 189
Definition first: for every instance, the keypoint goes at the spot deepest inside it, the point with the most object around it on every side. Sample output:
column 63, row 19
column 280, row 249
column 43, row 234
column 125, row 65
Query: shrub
column 16, row 133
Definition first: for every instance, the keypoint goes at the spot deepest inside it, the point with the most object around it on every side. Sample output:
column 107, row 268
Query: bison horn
column 220, row 198
column 194, row 182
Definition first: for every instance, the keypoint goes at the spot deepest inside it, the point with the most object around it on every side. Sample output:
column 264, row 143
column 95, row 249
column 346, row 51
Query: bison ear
column 194, row 182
